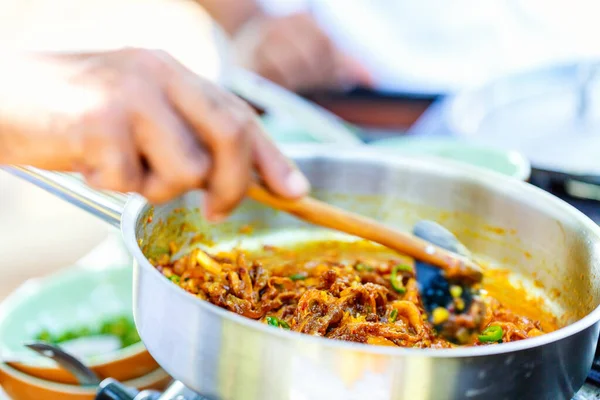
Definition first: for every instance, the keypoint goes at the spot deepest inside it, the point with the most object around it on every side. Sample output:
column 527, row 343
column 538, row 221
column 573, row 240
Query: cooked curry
column 358, row 292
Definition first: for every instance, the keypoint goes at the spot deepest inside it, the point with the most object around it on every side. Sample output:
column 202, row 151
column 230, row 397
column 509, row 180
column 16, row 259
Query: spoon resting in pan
column 453, row 265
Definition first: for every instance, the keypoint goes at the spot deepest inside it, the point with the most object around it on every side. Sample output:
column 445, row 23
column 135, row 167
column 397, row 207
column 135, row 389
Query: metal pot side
column 224, row 356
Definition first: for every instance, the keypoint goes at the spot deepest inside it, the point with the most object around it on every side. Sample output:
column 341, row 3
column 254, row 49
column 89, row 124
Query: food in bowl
column 120, row 327
column 352, row 291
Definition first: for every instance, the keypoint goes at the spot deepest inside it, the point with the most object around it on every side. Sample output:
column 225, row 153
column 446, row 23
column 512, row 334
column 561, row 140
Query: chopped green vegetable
column 393, row 315
column 491, row 334
column 403, row 267
column 298, row 277
column 361, row 267
column 276, row 322
column 284, row 324
column 396, row 279
column 132, row 337
column 73, row 334
column 44, row 336
column 174, row 278
column 122, row 327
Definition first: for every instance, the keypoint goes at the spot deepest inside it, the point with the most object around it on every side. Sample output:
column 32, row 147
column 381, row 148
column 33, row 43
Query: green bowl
column 511, row 163
column 505, row 162
column 80, row 296
column 284, row 131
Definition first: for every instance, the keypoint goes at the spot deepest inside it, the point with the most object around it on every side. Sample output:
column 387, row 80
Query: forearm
column 231, row 14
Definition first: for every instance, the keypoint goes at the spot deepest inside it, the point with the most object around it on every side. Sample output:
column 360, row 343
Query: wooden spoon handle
column 323, row 214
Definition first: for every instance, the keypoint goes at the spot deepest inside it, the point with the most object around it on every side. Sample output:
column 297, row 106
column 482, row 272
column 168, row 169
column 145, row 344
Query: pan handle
column 70, row 187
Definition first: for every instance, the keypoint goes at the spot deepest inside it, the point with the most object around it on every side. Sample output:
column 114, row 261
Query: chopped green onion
column 278, row 323
column 396, row 279
column 174, row 278
column 360, row 267
column 393, row 315
column 491, row 334
column 298, row 277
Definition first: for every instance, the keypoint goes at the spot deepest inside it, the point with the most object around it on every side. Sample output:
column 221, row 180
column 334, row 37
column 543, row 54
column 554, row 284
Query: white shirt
column 437, row 46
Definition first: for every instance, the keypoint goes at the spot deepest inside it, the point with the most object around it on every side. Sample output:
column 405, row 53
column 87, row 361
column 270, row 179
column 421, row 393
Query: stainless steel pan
column 224, row 356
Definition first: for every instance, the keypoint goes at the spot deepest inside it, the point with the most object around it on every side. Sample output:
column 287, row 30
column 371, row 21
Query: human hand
column 295, row 53
column 137, row 121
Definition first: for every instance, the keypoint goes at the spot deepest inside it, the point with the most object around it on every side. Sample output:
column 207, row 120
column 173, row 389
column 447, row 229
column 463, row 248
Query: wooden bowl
column 20, row 386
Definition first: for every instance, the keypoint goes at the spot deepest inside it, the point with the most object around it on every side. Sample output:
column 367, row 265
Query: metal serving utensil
column 437, row 291
column 84, row 375
column 108, row 389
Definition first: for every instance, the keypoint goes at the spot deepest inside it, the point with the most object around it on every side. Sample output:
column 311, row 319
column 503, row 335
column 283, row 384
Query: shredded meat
column 337, row 298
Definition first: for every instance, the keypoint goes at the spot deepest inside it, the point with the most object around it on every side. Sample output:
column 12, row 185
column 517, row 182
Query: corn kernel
column 440, row 315
column 456, row 291
column 460, row 304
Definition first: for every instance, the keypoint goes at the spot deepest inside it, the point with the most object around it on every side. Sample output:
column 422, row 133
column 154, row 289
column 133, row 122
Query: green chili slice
column 283, row 324
column 393, row 315
column 361, row 267
column 403, row 267
column 491, row 334
column 298, row 277
column 396, row 279
column 278, row 323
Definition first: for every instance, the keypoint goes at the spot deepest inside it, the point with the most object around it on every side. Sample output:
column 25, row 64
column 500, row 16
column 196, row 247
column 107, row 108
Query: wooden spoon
column 323, row 214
